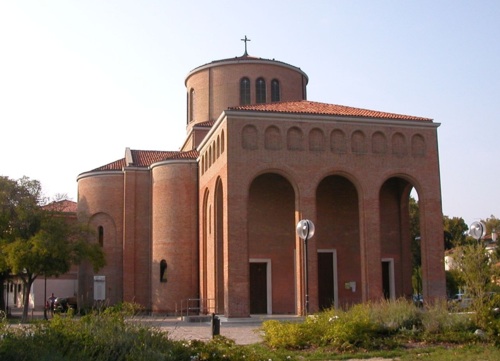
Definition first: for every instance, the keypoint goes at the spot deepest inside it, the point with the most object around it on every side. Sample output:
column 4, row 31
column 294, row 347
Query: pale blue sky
column 82, row 80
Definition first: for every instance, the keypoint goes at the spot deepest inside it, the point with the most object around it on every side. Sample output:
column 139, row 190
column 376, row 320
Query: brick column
column 236, row 268
column 432, row 248
column 129, row 212
column 371, row 268
column 306, row 209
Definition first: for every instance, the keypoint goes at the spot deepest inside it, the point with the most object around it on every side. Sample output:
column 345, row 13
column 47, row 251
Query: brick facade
column 222, row 212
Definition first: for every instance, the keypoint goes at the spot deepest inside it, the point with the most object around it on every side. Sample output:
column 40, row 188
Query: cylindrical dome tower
column 213, row 87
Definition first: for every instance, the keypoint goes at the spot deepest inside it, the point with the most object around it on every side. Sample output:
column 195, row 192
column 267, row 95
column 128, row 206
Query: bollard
column 215, row 325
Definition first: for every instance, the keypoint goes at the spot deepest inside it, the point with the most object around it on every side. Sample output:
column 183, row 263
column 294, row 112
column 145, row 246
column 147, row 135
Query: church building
column 211, row 227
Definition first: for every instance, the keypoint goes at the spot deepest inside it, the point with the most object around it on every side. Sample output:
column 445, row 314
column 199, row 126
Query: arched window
column 260, row 88
column 100, row 231
column 163, row 271
column 275, row 90
column 244, row 91
column 191, row 105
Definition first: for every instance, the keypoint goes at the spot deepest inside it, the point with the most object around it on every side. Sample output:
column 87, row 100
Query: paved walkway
column 243, row 332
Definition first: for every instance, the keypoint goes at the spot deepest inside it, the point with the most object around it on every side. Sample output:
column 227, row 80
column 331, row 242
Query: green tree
column 415, row 233
column 19, row 217
column 475, row 266
column 44, row 242
column 492, row 225
column 455, row 231
column 455, row 234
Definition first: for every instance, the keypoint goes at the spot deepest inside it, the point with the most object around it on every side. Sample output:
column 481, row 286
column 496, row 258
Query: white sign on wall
column 99, row 288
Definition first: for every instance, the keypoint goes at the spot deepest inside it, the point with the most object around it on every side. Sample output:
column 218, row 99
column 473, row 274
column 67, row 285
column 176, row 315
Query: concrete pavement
column 243, row 332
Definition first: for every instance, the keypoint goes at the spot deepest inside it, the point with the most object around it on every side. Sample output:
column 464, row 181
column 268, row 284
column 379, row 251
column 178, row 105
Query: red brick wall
column 174, row 234
column 100, row 203
column 137, row 234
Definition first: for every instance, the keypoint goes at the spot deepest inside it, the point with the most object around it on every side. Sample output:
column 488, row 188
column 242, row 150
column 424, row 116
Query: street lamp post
column 305, row 230
column 45, row 299
column 477, row 230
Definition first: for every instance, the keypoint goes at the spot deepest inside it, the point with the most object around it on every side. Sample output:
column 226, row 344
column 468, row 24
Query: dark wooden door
column 258, row 288
column 326, row 295
column 386, row 280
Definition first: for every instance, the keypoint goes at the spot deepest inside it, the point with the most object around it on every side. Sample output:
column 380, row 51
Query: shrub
column 352, row 329
column 126, row 309
column 288, row 335
column 96, row 337
column 396, row 315
column 382, row 325
column 487, row 316
column 438, row 319
column 337, row 329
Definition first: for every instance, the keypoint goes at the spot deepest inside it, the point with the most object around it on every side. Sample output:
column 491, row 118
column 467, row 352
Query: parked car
column 461, row 300
column 63, row 304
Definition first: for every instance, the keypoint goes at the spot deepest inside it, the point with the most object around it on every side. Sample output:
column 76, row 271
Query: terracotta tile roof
column 65, row 206
column 116, row 165
column 144, row 158
column 208, row 124
column 308, row 107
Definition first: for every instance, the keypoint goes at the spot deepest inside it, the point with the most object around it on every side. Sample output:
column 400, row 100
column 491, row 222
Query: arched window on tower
column 191, row 105
column 244, row 91
column 260, row 91
column 275, row 90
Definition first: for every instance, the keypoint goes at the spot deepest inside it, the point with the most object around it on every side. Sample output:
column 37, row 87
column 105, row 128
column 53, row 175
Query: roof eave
column 423, row 122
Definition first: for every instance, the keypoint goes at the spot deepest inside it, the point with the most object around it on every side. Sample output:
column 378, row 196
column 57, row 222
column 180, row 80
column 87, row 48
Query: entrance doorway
column 260, row 287
column 388, row 278
column 327, row 279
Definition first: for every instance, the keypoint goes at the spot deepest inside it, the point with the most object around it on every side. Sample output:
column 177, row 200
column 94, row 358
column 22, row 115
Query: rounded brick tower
column 174, row 230
column 216, row 86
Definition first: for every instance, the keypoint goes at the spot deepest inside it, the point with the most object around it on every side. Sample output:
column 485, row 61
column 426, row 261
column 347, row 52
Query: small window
column 100, row 231
column 163, row 271
column 245, row 91
column 191, row 105
column 275, row 90
column 260, row 87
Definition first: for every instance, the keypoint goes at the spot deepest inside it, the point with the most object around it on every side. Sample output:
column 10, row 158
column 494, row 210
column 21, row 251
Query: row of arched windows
column 260, row 91
column 212, row 153
column 337, row 141
column 245, row 96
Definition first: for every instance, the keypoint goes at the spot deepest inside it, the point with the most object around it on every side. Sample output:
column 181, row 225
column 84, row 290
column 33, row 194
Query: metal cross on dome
column 245, row 40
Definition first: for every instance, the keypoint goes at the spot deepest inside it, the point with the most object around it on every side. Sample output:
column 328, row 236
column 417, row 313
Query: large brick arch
column 338, row 230
column 271, row 236
column 205, row 273
column 395, row 240
column 219, row 244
